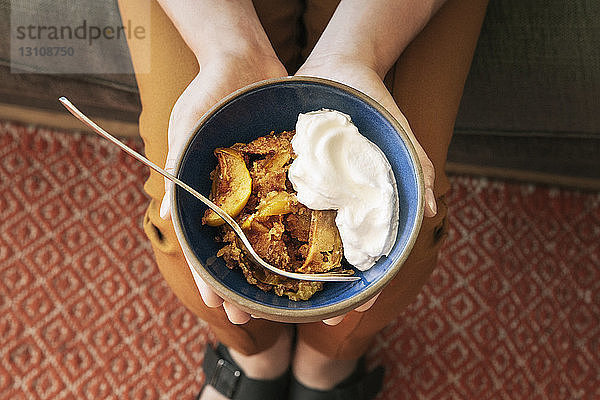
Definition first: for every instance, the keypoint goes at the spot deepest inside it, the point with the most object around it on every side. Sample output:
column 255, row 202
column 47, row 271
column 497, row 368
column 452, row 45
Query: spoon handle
column 325, row 277
column 91, row 124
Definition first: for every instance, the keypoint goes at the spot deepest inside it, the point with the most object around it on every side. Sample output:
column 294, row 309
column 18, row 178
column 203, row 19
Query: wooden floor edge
column 525, row 176
column 64, row 120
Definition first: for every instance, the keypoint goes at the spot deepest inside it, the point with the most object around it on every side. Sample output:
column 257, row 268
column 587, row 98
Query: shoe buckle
column 226, row 378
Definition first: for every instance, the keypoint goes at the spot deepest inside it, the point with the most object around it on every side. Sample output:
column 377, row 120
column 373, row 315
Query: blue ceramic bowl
column 274, row 105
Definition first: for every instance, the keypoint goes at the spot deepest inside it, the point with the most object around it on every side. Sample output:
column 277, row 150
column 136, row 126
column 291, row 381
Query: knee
column 159, row 231
column 432, row 234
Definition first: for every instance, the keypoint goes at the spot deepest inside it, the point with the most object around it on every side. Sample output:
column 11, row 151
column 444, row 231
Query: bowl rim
column 316, row 313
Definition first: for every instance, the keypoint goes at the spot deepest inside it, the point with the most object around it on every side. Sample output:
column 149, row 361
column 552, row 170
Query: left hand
column 360, row 76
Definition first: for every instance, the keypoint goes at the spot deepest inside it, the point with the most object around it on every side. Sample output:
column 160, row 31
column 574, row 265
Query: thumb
column 426, row 164
column 178, row 133
column 428, row 180
column 165, row 205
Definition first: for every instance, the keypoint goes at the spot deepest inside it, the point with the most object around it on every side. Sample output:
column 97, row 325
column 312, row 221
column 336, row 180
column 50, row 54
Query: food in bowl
column 251, row 183
column 305, row 199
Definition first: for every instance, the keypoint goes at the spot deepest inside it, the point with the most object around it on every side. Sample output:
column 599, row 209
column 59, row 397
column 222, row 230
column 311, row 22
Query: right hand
column 217, row 78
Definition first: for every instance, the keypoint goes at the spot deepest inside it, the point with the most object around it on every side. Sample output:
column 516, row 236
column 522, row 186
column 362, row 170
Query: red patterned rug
column 512, row 312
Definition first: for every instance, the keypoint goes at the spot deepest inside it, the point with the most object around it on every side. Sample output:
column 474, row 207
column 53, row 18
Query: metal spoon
column 324, row 277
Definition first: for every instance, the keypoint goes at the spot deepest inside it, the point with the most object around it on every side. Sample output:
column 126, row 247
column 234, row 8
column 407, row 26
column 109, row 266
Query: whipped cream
column 337, row 168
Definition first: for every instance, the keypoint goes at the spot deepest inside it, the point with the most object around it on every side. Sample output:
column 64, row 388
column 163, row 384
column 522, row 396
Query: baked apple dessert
column 251, row 184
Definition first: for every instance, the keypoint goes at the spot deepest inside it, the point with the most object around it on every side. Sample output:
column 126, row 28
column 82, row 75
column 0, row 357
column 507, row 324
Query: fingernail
column 430, row 200
column 164, row 206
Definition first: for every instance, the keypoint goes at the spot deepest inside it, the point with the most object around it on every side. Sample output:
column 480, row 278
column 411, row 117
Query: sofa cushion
column 110, row 95
column 532, row 98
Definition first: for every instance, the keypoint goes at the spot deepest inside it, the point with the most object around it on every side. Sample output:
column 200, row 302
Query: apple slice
column 232, row 186
column 275, row 203
column 324, row 243
column 276, row 162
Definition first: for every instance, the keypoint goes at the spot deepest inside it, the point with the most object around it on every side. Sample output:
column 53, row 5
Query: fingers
column 235, row 315
column 209, row 296
column 368, row 304
column 336, row 320
column 213, row 300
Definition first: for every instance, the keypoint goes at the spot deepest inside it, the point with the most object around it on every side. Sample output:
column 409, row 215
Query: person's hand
column 336, row 320
column 217, row 78
column 213, row 300
column 363, row 78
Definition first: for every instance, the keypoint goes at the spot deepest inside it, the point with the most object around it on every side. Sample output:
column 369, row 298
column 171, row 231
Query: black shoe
column 360, row 385
column 222, row 373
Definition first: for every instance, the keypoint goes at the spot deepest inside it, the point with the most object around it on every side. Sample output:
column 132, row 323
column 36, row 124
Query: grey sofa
column 530, row 110
column 531, row 106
